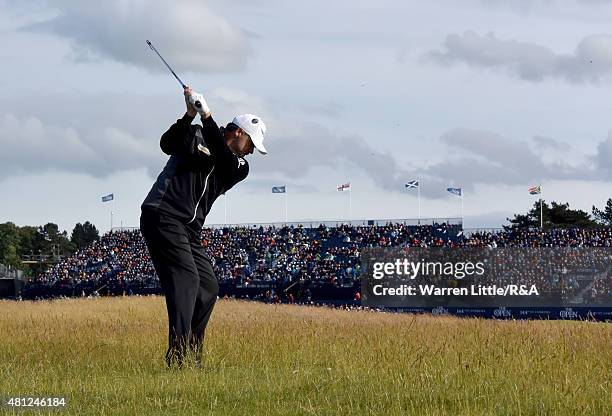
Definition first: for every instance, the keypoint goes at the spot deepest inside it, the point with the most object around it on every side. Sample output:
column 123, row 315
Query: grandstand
column 10, row 281
column 243, row 255
column 314, row 262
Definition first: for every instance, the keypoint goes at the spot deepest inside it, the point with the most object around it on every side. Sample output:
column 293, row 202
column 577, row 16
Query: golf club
column 197, row 103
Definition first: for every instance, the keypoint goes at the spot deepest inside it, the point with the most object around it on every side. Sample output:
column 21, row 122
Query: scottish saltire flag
column 344, row 187
column 535, row 190
column 278, row 190
column 108, row 197
column 412, row 184
column 455, row 191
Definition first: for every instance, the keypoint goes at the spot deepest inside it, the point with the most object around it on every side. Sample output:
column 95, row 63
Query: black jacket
column 201, row 167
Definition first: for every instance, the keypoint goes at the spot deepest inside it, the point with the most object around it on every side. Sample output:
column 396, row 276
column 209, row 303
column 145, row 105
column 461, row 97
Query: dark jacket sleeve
column 232, row 169
column 177, row 137
column 214, row 139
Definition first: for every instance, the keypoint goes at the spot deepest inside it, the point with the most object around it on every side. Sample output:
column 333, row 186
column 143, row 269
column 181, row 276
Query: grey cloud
column 590, row 62
column 543, row 143
column 481, row 157
column 98, row 134
column 603, row 158
column 527, row 3
column 475, row 157
column 298, row 154
column 113, row 140
column 328, row 109
column 525, row 6
column 189, row 35
column 29, row 146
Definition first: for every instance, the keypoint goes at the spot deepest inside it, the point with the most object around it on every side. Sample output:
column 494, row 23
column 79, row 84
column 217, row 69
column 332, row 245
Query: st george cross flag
column 108, row 197
column 535, row 190
column 344, row 187
column 279, row 189
column 455, row 191
column 412, row 184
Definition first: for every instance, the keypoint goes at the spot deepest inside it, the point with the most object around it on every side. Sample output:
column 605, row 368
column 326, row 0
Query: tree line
column 45, row 242
column 560, row 215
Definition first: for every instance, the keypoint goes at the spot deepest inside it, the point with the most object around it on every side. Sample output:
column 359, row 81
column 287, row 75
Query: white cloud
column 188, row 34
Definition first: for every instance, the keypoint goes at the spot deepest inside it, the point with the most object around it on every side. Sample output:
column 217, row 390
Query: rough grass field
column 106, row 356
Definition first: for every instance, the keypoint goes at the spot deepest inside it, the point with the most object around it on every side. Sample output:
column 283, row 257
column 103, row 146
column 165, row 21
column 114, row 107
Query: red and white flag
column 344, row 187
column 535, row 190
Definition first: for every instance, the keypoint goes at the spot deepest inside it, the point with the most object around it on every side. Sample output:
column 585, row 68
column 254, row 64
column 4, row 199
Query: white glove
column 199, row 103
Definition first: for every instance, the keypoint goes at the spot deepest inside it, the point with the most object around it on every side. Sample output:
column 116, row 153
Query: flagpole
column 225, row 209
column 350, row 205
column 462, row 207
column 541, row 216
column 285, row 206
column 112, row 213
column 419, row 199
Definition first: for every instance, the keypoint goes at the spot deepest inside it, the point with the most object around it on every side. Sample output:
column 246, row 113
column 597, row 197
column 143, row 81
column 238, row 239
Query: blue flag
column 455, row 191
column 108, row 197
column 412, row 184
column 278, row 189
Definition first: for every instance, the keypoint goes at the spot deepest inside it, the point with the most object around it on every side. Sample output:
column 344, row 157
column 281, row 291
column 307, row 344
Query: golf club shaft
column 197, row 104
column 165, row 63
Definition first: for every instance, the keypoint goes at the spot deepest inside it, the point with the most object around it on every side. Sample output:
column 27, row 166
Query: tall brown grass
column 106, row 357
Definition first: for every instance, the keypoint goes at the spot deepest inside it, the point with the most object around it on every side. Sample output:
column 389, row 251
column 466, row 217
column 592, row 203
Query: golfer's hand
column 197, row 102
column 191, row 111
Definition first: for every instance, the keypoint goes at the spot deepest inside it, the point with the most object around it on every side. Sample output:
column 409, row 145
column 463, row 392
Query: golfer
column 205, row 162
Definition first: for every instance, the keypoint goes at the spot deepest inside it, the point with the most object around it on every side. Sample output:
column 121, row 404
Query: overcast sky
column 492, row 96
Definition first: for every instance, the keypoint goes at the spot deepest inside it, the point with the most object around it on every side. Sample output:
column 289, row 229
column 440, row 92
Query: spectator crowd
column 298, row 264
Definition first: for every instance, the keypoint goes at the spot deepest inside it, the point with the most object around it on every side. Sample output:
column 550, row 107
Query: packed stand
column 299, row 264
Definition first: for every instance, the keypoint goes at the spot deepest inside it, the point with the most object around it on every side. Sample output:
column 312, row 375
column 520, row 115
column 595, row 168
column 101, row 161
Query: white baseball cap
column 254, row 127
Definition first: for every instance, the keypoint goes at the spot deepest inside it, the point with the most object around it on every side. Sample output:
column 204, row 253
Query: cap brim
column 258, row 143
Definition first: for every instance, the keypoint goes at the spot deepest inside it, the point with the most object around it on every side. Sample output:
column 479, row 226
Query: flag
column 344, row 187
column 108, row 197
column 455, row 191
column 535, row 190
column 279, row 189
column 412, row 184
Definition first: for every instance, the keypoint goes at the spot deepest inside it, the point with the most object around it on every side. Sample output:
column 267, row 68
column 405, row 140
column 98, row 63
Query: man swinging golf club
column 205, row 162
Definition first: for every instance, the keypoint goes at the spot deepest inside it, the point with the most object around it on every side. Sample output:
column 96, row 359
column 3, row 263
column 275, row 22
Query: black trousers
column 187, row 278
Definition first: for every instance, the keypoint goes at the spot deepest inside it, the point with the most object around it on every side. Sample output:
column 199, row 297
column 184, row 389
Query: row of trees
column 43, row 242
column 561, row 215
